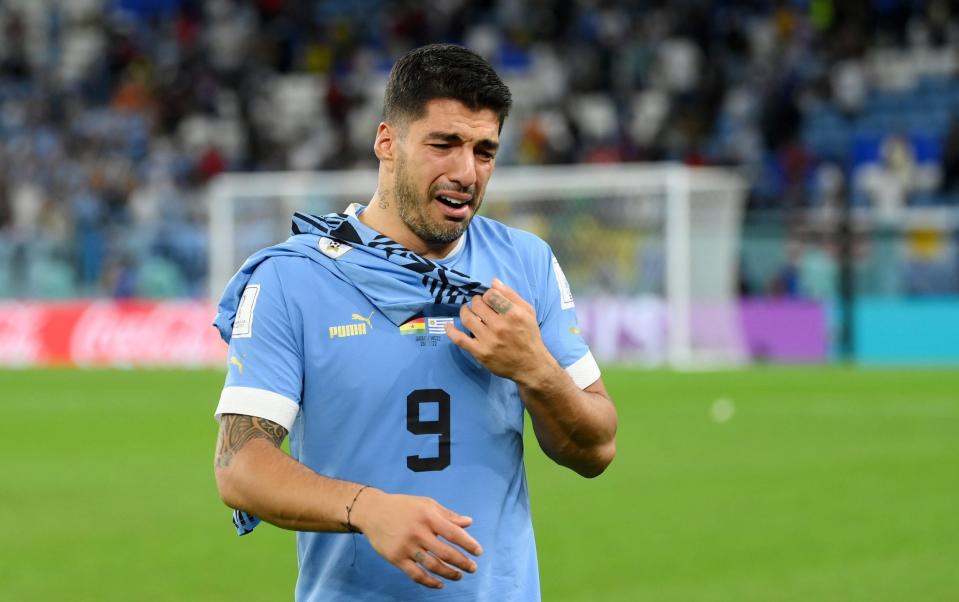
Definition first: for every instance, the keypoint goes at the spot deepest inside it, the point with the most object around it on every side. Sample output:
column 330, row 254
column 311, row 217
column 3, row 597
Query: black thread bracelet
column 349, row 510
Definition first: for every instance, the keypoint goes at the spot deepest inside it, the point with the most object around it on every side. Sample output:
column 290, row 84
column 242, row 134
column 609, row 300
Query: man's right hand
column 406, row 531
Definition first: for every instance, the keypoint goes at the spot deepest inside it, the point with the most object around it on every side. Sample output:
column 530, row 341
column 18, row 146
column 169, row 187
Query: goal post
column 668, row 234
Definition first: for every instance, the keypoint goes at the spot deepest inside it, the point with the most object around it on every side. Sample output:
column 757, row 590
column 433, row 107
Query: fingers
column 421, row 537
column 501, row 287
column 452, row 530
column 471, row 315
column 498, row 301
column 458, row 536
column 439, row 559
column 417, row 574
column 433, row 564
column 503, row 299
column 459, row 519
column 461, row 339
column 451, row 556
column 480, row 308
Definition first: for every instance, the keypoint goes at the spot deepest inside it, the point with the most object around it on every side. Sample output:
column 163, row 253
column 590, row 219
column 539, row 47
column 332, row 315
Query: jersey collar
column 355, row 209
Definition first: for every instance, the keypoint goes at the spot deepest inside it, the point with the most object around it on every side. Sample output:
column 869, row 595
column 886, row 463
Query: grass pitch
column 760, row 485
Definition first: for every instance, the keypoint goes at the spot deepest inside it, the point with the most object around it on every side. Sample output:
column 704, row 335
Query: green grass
column 826, row 484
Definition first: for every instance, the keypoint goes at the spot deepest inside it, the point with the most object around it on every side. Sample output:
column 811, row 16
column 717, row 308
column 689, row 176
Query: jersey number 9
column 440, row 426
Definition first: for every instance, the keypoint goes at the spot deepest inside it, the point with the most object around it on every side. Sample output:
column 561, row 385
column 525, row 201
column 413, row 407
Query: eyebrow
column 485, row 143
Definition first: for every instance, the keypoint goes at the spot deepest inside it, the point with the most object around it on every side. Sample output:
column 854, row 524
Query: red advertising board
column 179, row 333
column 109, row 333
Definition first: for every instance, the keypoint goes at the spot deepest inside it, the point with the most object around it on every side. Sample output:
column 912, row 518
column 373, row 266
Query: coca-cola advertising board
column 109, row 333
column 180, row 334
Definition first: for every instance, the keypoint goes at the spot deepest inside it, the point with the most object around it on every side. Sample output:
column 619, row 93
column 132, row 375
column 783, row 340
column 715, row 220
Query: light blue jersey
column 400, row 407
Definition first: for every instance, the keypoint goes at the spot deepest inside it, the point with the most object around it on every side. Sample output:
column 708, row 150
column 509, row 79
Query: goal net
column 651, row 250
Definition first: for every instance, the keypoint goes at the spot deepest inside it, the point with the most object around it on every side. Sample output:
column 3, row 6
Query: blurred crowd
column 115, row 114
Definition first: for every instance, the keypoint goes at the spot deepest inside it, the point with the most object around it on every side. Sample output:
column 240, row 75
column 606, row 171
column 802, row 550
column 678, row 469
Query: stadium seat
column 51, row 278
column 158, row 278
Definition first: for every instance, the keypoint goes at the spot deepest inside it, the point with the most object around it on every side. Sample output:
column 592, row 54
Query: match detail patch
column 414, row 326
column 243, row 323
column 565, row 293
column 437, row 325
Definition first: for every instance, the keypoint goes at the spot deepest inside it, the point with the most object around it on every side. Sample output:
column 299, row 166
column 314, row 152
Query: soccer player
column 372, row 338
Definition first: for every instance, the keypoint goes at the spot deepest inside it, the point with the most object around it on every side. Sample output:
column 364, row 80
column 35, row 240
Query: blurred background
column 115, row 116
column 814, row 142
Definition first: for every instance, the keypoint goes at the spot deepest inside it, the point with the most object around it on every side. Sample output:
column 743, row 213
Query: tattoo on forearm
column 499, row 303
column 236, row 430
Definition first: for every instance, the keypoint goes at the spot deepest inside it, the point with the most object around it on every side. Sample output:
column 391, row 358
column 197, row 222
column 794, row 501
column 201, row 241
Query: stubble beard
column 415, row 212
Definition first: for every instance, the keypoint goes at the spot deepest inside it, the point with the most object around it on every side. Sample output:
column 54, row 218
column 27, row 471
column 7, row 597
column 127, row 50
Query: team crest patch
column 333, row 249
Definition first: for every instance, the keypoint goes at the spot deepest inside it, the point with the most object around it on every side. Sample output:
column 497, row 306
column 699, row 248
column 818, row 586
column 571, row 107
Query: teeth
column 452, row 201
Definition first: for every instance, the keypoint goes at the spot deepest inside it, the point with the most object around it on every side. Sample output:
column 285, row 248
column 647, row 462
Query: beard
column 415, row 211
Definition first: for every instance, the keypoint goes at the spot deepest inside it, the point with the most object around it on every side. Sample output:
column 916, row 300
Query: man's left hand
column 506, row 337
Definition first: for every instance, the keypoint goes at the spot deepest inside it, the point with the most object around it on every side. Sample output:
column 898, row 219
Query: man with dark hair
column 443, row 71
column 401, row 378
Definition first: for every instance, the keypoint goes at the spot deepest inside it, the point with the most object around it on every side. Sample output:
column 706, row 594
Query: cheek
column 432, row 169
column 483, row 172
column 421, row 180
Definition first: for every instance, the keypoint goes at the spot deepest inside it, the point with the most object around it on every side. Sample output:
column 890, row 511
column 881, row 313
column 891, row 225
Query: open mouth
column 451, row 202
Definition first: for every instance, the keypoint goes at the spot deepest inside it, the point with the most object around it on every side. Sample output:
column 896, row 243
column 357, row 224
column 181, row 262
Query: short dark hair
column 443, row 71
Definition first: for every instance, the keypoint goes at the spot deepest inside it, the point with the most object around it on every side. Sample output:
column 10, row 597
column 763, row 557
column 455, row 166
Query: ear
column 384, row 144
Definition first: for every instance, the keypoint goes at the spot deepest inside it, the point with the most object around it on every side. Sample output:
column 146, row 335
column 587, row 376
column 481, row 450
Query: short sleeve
column 265, row 358
column 557, row 321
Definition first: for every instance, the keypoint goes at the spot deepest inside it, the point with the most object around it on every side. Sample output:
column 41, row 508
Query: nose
column 462, row 168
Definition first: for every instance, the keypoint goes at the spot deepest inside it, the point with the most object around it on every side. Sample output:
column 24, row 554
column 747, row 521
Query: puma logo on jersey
column 368, row 320
column 236, row 362
column 352, row 330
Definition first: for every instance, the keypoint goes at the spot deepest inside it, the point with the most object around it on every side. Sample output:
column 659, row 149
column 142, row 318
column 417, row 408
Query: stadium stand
column 114, row 114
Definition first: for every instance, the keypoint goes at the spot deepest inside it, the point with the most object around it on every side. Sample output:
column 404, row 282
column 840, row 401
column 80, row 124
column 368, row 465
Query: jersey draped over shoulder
column 272, row 389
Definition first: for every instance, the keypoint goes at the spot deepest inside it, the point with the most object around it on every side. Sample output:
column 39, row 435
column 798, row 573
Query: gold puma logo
column 368, row 320
column 237, row 363
column 352, row 330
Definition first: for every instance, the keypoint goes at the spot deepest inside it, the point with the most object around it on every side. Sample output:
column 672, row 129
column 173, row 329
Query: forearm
column 264, row 481
column 575, row 427
column 254, row 475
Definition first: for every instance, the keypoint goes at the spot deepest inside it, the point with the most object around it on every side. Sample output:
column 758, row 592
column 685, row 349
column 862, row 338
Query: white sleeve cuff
column 584, row 371
column 261, row 403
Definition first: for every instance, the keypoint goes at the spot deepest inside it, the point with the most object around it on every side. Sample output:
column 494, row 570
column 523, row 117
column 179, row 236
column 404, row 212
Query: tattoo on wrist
column 236, row 430
column 500, row 304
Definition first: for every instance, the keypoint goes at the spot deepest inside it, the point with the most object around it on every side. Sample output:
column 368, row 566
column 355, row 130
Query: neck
column 382, row 215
